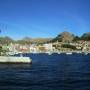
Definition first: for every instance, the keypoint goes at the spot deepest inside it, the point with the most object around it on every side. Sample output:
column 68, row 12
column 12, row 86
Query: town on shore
column 64, row 42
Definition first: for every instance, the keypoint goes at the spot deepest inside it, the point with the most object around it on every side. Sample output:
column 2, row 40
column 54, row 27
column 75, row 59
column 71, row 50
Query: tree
column 76, row 38
column 68, row 46
column 0, row 50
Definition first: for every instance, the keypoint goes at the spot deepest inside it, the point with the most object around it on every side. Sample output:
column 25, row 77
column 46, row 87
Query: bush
column 68, row 46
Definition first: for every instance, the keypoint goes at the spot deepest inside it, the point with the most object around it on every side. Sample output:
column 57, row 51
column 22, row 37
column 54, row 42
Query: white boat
column 14, row 59
column 78, row 52
column 86, row 53
column 69, row 53
column 59, row 52
column 49, row 53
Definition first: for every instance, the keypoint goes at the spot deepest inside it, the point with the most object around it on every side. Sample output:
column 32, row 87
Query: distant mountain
column 25, row 40
column 5, row 40
column 40, row 40
column 28, row 40
column 86, row 36
column 64, row 37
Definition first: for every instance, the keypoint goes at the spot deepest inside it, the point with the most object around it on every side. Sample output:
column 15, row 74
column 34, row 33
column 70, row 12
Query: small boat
column 86, row 53
column 59, row 52
column 69, row 53
column 49, row 53
column 78, row 52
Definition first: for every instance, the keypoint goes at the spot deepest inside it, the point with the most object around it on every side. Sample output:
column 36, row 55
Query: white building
column 33, row 49
column 48, row 47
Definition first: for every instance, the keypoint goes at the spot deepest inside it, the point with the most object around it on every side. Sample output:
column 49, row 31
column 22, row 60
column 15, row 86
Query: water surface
column 47, row 72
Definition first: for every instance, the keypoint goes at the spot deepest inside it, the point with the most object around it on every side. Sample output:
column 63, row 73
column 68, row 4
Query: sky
column 43, row 18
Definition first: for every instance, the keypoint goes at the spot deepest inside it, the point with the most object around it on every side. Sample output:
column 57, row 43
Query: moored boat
column 68, row 53
column 14, row 59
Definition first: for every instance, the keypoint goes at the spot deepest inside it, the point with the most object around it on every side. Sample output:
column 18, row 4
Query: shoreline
column 58, row 52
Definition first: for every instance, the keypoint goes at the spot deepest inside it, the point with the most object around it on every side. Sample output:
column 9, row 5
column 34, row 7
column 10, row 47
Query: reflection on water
column 15, row 66
column 47, row 72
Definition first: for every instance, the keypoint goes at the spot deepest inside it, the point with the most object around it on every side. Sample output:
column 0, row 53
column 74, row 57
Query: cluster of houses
column 13, row 48
column 82, row 45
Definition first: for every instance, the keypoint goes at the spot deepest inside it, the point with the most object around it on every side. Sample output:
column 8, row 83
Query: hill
column 64, row 37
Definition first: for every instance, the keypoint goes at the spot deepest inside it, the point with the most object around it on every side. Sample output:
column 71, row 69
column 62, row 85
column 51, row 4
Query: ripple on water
column 47, row 72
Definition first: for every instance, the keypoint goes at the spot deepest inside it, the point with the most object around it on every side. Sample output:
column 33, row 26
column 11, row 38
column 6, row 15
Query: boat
column 85, row 53
column 78, row 52
column 59, row 52
column 14, row 59
column 69, row 53
column 49, row 53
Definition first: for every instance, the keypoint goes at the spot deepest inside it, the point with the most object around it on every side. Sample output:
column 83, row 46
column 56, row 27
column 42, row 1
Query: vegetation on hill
column 86, row 36
column 68, row 46
column 77, row 38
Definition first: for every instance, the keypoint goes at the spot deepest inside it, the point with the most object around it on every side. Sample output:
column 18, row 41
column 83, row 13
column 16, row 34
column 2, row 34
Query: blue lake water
column 47, row 72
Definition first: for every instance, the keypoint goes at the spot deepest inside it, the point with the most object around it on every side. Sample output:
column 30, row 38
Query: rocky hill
column 64, row 37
